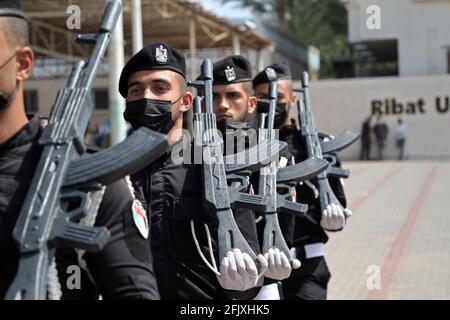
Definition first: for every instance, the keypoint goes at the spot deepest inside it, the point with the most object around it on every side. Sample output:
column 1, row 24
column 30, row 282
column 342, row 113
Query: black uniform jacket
column 302, row 232
column 122, row 270
column 171, row 189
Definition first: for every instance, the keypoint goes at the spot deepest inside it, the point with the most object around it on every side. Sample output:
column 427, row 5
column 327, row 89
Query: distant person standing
column 99, row 135
column 380, row 131
column 366, row 139
column 400, row 132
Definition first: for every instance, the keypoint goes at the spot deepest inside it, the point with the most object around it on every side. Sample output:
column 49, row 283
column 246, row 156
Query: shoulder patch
column 140, row 218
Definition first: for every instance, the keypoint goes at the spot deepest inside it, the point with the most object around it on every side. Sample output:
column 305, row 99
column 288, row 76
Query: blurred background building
column 399, row 69
column 198, row 29
column 413, row 38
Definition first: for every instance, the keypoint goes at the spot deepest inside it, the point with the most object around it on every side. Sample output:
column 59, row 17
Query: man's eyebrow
column 163, row 80
column 140, row 83
column 134, row 83
column 233, row 92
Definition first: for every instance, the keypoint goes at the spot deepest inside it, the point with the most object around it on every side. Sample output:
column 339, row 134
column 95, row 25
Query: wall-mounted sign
column 394, row 107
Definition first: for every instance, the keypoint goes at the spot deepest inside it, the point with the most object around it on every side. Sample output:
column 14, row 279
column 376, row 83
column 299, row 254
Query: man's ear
column 252, row 104
column 293, row 99
column 186, row 101
column 24, row 63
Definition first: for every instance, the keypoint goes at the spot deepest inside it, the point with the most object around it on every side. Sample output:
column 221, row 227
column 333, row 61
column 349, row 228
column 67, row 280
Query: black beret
column 11, row 8
column 278, row 71
column 233, row 69
column 155, row 56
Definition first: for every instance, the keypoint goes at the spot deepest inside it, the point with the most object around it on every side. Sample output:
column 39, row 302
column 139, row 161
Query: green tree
column 321, row 23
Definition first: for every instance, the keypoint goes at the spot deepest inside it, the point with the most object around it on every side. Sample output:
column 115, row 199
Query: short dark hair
column 15, row 30
column 183, row 83
column 248, row 88
column 289, row 84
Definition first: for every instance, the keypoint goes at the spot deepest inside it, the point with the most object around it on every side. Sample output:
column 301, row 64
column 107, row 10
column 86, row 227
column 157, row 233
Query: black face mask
column 153, row 114
column 280, row 114
column 6, row 99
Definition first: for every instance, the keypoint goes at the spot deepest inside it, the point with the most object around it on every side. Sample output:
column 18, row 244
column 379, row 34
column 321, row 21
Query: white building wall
column 344, row 104
column 48, row 89
column 422, row 28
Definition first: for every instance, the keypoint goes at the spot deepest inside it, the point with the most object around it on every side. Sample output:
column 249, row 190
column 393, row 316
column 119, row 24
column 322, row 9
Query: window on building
column 31, row 101
column 376, row 58
column 101, row 99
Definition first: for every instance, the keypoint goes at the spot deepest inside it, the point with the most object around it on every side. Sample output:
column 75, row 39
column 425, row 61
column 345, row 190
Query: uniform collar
column 174, row 152
column 288, row 130
column 25, row 135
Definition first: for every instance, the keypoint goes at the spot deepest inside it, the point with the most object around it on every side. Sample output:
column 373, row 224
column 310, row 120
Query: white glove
column 333, row 217
column 238, row 271
column 279, row 267
column 348, row 213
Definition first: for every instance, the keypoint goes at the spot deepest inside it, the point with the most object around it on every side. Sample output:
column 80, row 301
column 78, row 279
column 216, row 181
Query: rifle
column 218, row 197
column 317, row 149
column 65, row 186
column 267, row 183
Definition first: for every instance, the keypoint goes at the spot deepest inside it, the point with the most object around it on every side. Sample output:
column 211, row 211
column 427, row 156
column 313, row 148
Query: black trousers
column 365, row 151
column 182, row 280
column 401, row 148
column 309, row 282
column 381, row 144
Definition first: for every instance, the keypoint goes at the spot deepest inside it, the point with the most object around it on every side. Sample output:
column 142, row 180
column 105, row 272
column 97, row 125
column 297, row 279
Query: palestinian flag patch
column 140, row 218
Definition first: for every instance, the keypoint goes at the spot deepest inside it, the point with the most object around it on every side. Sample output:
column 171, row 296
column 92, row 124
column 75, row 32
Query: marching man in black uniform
column 123, row 269
column 234, row 103
column 307, row 240
column 233, row 95
column 154, row 84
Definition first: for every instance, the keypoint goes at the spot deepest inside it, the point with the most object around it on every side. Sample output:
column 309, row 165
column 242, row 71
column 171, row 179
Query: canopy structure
column 181, row 23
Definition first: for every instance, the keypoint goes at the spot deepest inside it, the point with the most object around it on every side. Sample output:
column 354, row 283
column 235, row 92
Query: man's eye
column 135, row 91
column 160, row 89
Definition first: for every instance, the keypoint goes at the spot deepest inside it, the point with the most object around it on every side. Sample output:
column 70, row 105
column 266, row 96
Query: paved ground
column 397, row 243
